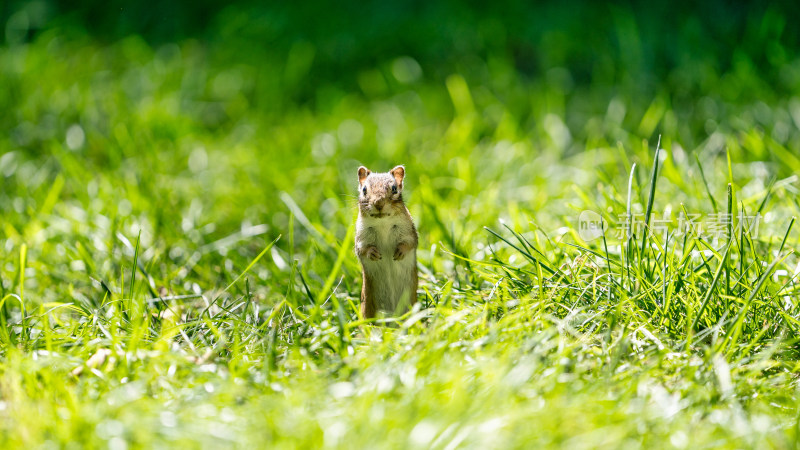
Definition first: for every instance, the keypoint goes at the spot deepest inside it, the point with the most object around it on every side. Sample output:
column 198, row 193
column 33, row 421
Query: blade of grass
column 651, row 197
column 710, row 291
column 343, row 251
column 705, row 183
column 526, row 254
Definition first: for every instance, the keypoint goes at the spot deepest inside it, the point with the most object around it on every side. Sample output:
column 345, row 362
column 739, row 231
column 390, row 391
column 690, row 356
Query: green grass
column 176, row 212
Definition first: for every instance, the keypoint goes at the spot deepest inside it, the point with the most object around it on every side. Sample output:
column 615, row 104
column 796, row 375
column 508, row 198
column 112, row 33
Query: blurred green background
column 569, row 58
column 261, row 98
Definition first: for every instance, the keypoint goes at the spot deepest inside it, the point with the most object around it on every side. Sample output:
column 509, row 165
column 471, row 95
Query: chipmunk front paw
column 373, row 253
column 400, row 251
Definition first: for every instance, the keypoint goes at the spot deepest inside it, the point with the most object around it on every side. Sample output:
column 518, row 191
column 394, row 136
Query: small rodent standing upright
column 386, row 244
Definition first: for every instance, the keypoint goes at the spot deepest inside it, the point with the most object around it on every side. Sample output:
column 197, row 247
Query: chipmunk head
column 380, row 194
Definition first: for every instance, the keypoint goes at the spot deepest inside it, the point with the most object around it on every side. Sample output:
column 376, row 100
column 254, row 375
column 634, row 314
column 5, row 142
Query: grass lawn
column 176, row 242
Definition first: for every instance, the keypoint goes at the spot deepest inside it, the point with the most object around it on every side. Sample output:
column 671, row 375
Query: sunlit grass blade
column 651, row 197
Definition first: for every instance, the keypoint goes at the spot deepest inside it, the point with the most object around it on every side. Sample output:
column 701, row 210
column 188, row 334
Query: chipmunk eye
column 394, row 189
column 364, row 190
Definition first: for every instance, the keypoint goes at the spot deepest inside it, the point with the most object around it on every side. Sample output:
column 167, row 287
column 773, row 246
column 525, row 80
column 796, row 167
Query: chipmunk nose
column 379, row 204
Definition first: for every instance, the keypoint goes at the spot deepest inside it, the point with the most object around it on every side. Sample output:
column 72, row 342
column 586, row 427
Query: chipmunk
column 386, row 244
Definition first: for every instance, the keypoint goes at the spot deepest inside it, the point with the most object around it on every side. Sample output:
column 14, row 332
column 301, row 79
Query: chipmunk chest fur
column 385, row 232
column 389, row 277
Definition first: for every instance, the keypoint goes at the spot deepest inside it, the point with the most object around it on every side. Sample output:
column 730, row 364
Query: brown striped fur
column 386, row 244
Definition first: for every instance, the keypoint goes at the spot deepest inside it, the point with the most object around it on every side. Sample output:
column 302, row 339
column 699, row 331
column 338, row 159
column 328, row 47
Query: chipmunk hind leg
column 408, row 293
column 367, row 299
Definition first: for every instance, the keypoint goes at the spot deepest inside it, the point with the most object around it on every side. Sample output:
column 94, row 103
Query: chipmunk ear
column 363, row 172
column 398, row 173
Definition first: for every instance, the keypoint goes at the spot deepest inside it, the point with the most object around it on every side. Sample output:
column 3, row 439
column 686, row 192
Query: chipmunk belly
column 390, row 278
